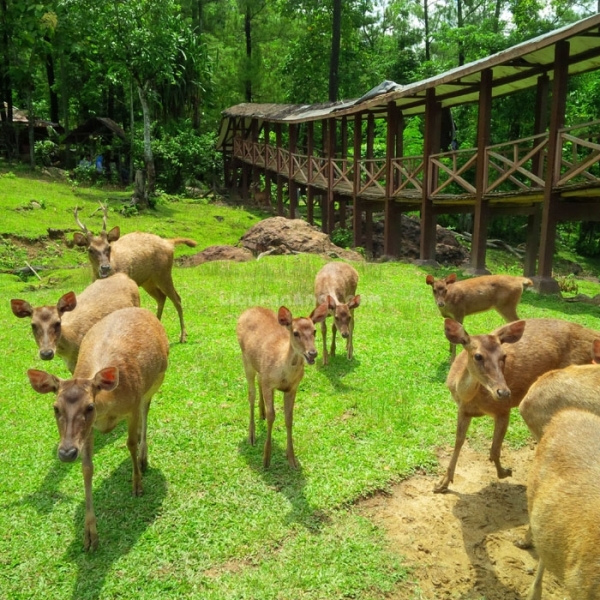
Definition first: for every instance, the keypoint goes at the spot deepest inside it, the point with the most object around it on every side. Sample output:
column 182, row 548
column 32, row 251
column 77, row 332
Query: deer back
column 545, row 344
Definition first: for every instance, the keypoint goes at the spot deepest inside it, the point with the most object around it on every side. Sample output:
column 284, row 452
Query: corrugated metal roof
column 516, row 68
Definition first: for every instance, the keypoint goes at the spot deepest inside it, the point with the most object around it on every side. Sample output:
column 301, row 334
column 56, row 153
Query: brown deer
column 122, row 363
column 145, row 257
column 276, row 346
column 575, row 386
column 336, row 284
column 494, row 372
column 59, row 331
column 563, row 498
column 261, row 197
column 458, row 299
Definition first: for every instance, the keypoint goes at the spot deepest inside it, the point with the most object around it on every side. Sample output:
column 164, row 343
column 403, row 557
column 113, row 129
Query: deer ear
column 512, row 332
column 319, row 314
column 21, row 308
column 42, row 382
column 79, row 239
column 451, row 278
column 429, row 280
column 67, row 302
column 455, row 332
column 107, row 379
column 284, row 316
column 331, row 303
column 354, row 302
column 596, row 352
column 114, row 234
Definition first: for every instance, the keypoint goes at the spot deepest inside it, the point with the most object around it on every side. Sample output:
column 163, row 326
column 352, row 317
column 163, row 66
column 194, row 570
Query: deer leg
column 526, row 541
column 132, row 446
column 289, row 399
column 168, row 289
column 251, row 377
column 324, row 336
column 90, row 533
column 143, row 444
column 158, row 295
column 509, row 314
column 462, row 427
column 500, row 427
column 349, row 345
column 261, row 403
column 333, row 332
column 270, row 415
column 535, row 591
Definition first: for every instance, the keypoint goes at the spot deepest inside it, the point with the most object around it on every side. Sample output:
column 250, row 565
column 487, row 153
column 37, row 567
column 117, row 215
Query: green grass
column 213, row 524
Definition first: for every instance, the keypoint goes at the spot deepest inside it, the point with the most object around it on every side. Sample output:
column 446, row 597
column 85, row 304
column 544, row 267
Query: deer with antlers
column 145, row 257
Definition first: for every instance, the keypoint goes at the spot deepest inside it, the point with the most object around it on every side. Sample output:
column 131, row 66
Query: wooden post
column 431, row 144
column 544, row 281
column 331, row 128
column 356, row 201
column 310, row 149
column 292, row 185
column 392, row 225
column 480, row 218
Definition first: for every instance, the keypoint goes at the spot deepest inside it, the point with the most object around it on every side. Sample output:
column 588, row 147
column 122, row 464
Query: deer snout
column 47, row 354
column 503, row 393
column 310, row 357
column 68, row 454
column 104, row 270
column 441, row 303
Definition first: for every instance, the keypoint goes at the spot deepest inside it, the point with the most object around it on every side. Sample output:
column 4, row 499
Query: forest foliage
column 165, row 69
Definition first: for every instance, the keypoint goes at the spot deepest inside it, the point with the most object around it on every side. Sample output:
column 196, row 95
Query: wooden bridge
column 325, row 152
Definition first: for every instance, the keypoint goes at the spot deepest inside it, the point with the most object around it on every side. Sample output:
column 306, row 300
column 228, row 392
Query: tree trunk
column 30, row 124
column 54, row 111
column 426, row 23
column 334, row 63
column 148, row 156
column 6, row 112
column 248, row 33
column 460, row 24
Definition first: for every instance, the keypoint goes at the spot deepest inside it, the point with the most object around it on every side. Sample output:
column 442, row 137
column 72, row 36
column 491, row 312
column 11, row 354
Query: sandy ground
column 460, row 545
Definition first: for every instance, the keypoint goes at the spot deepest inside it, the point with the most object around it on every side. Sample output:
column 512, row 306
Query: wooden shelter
column 551, row 176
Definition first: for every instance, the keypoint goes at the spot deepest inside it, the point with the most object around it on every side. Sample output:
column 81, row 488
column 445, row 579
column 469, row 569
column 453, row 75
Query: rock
column 278, row 235
column 217, row 253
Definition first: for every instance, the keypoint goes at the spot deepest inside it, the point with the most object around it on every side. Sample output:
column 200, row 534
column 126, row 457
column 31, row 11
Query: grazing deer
column 575, row 386
column 122, row 363
column 563, row 498
column 494, row 372
column 145, row 257
column 276, row 346
column 336, row 284
column 261, row 197
column 59, row 331
column 458, row 299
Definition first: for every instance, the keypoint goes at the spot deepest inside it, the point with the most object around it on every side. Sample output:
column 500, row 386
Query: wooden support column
column 544, row 281
column 356, row 201
column 331, row 130
column 292, row 185
column 310, row 149
column 324, row 195
column 369, row 230
column 431, row 143
column 534, row 221
column 255, row 134
column 392, row 225
column 480, row 218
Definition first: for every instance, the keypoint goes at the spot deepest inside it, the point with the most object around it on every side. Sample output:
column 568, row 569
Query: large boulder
column 279, row 235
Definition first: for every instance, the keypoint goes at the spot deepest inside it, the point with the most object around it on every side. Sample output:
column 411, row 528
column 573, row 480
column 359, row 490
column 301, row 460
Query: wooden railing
column 510, row 167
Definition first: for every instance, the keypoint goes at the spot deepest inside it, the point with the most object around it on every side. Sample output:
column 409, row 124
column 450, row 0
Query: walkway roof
column 514, row 69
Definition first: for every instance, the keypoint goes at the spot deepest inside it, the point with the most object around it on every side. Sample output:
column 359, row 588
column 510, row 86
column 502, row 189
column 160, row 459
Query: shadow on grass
column 555, row 303
column 48, row 495
column 283, row 479
column 122, row 519
column 339, row 366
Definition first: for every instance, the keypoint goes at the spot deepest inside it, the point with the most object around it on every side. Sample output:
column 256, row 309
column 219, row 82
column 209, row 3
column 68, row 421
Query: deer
column 563, row 500
column 575, row 386
column 494, row 372
column 458, row 299
column 122, row 363
column 275, row 347
column 59, row 330
column 336, row 284
column 145, row 257
column 261, row 197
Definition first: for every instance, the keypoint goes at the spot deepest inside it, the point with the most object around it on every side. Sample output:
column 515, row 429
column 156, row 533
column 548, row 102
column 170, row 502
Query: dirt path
column 460, row 545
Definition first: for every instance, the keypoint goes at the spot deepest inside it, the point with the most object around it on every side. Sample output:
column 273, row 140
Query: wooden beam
column 393, row 216
column 356, row 201
column 480, row 219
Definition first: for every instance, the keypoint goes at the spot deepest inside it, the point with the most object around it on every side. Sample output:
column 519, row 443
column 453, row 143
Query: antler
column 83, row 227
column 105, row 211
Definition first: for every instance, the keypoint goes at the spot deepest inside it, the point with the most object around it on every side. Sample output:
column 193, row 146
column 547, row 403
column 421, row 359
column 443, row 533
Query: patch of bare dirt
column 460, row 545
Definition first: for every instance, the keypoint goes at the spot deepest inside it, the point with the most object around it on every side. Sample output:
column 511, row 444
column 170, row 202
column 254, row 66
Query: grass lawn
column 212, row 523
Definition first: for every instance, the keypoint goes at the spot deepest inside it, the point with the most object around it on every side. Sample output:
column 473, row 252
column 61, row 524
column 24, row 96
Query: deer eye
column 56, row 412
column 296, row 334
column 478, row 357
column 89, row 408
